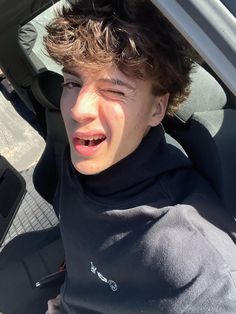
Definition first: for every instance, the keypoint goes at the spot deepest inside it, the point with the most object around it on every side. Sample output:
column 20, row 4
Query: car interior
column 204, row 125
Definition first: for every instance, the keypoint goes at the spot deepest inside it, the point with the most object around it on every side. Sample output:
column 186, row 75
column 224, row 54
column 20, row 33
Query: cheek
column 114, row 115
column 66, row 103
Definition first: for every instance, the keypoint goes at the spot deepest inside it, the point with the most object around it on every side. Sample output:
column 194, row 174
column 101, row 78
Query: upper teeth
column 93, row 138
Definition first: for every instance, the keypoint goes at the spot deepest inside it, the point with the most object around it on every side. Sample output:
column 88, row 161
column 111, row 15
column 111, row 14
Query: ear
column 159, row 109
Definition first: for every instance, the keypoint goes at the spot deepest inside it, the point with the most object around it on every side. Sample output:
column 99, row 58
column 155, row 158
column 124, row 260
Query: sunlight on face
column 106, row 115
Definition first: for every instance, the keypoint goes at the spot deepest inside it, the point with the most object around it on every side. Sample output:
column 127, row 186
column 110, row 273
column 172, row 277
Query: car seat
column 47, row 88
column 205, row 127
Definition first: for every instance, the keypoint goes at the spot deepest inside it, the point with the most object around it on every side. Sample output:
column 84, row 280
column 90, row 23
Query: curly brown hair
column 132, row 34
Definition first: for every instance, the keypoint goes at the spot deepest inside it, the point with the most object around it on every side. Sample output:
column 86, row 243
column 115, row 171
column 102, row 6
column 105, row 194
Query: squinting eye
column 70, row 85
column 115, row 92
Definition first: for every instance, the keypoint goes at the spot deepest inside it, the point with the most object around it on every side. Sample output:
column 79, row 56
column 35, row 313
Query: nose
column 85, row 107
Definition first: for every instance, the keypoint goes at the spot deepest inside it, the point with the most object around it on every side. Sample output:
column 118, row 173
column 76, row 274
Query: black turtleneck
column 130, row 179
column 139, row 237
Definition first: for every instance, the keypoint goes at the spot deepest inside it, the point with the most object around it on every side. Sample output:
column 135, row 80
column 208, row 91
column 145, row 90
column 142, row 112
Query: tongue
column 91, row 143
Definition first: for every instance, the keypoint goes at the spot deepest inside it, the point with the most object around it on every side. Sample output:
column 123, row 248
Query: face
column 106, row 115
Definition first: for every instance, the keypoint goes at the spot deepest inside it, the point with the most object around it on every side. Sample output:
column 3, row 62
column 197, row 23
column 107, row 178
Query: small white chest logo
column 111, row 283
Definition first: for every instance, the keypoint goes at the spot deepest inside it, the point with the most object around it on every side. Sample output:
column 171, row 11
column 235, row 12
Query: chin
column 87, row 167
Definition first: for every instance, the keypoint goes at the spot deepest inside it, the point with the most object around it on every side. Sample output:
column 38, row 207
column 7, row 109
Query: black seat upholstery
column 205, row 127
column 47, row 89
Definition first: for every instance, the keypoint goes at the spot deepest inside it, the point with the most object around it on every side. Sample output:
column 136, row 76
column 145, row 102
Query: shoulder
column 182, row 247
column 195, row 195
column 183, row 182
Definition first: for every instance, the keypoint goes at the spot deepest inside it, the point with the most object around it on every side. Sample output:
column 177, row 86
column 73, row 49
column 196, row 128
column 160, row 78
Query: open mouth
column 90, row 142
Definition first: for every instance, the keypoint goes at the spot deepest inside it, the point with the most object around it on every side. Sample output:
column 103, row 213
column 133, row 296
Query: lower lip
column 86, row 150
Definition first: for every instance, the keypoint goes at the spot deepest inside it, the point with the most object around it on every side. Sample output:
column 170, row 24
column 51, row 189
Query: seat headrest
column 206, row 94
column 47, row 89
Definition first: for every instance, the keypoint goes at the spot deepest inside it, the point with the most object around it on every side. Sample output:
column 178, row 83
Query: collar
column 156, row 154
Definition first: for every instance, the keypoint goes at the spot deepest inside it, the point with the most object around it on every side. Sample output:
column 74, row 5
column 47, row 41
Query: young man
column 142, row 232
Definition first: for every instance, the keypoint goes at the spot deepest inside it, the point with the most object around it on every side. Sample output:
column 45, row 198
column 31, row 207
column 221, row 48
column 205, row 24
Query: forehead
column 95, row 72
column 110, row 75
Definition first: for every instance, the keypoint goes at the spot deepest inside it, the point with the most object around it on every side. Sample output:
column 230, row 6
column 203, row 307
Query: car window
column 39, row 23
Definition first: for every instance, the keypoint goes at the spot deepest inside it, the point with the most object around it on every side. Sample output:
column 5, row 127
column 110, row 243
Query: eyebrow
column 70, row 71
column 118, row 82
column 113, row 81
